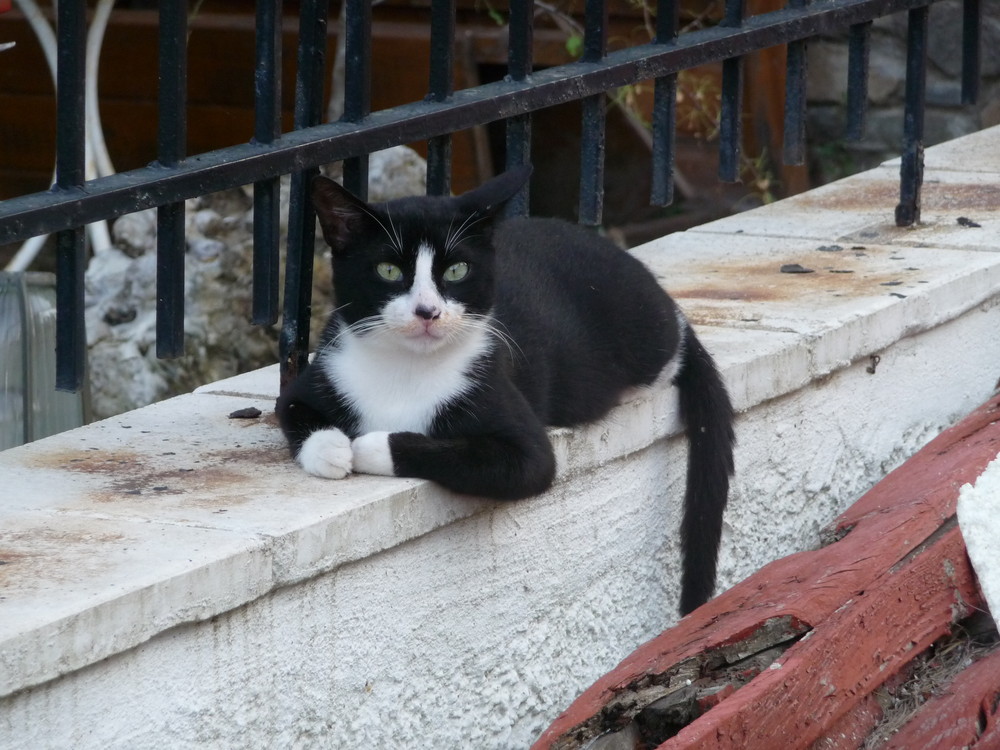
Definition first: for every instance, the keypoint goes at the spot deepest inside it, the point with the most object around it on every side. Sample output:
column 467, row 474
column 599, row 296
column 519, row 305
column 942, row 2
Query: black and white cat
column 458, row 337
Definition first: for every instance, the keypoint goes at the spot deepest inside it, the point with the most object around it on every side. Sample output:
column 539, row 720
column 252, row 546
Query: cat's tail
column 708, row 419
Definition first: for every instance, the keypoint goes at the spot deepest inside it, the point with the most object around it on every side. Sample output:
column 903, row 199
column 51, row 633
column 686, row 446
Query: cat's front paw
column 372, row 454
column 327, row 454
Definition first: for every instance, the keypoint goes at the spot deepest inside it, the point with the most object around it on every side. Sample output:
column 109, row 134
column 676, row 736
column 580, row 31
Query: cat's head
column 416, row 270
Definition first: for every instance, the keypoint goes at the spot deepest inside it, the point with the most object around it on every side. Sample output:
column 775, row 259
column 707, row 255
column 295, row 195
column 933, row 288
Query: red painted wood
column 951, row 720
column 851, row 730
column 876, row 607
column 990, row 738
column 846, row 657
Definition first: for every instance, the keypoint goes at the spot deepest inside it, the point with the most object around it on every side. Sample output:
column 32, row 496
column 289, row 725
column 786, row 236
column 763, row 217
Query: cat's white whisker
column 395, row 231
column 359, row 328
column 456, row 236
column 395, row 241
column 492, row 327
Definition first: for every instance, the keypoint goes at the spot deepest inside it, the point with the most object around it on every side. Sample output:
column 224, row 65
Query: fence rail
column 73, row 203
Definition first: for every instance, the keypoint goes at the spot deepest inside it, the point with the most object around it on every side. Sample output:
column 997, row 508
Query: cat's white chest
column 396, row 390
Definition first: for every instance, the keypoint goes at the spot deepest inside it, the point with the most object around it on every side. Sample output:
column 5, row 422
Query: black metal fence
column 72, row 203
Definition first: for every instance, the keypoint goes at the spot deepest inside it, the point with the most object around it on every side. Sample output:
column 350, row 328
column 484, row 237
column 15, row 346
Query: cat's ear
column 489, row 198
column 341, row 215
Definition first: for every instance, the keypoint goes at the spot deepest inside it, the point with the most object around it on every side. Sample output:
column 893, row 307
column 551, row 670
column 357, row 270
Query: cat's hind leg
column 326, row 453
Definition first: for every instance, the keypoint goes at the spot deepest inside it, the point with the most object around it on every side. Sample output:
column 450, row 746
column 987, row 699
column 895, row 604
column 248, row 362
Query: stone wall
column 831, row 156
column 220, row 340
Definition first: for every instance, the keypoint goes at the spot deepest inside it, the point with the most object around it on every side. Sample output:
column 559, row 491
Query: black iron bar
column 357, row 86
column 664, row 111
column 971, row 50
column 520, row 63
column 911, row 173
column 518, row 146
column 731, row 111
column 594, row 118
column 19, row 284
column 592, row 151
column 794, row 139
column 267, row 193
column 440, row 87
column 293, row 342
column 858, row 48
column 520, row 29
column 71, row 335
column 112, row 196
column 171, row 242
column 439, row 165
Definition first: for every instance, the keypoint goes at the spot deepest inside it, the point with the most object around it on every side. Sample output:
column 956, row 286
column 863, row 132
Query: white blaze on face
column 421, row 315
column 425, row 299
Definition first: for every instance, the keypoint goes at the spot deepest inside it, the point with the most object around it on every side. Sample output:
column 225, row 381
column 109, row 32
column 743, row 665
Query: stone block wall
column 832, row 157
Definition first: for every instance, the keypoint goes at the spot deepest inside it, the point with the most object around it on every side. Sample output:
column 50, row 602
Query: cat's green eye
column 389, row 272
column 456, row 272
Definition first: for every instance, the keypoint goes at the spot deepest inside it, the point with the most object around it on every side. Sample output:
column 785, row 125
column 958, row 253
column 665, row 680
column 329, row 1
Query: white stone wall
column 477, row 634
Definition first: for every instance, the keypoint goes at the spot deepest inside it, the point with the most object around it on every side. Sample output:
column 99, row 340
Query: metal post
column 731, row 114
column 971, row 46
column 71, row 336
column 594, row 120
column 172, row 145
column 440, row 87
column 520, row 62
column 357, row 85
column 794, row 140
column 267, row 193
column 664, row 111
column 911, row 174
column 859, row 44
column 293, row 343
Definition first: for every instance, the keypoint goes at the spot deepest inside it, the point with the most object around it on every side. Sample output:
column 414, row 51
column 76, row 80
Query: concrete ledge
column 388, row 612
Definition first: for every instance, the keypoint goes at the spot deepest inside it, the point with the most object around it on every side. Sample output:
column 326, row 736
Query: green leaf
column 574, row 45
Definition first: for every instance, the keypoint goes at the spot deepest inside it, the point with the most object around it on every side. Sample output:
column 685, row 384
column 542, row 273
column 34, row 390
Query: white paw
column 372, row 454
column 327, row 454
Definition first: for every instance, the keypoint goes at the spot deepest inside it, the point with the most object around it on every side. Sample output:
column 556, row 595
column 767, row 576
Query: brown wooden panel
column 220, row 85
column 30, row 132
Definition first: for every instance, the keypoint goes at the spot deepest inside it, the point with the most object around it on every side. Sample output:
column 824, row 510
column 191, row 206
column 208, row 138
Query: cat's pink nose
column 427, row 313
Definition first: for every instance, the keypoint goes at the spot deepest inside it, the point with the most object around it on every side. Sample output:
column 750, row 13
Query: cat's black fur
column 575, row 322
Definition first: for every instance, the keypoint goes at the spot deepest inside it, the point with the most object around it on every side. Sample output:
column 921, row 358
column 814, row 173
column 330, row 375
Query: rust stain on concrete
column 706, row 292
column 36, row 555
column 197, row 477
column 849, row 272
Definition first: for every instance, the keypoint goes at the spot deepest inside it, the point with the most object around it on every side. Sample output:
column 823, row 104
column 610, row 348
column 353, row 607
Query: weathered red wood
column 846, row 657
column 990, row 738
column 886, row 526
column 850, row 731
column 952, row 719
